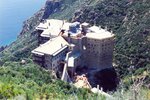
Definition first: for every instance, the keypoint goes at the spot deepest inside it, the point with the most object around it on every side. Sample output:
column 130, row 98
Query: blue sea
column 12, row 15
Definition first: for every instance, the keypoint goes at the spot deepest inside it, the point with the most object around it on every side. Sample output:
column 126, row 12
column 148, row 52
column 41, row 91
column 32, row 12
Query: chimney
column 106, row 28
column 84, row 27
column 100, row 27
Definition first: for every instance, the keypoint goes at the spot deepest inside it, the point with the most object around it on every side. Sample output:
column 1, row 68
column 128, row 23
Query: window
column 53, row 58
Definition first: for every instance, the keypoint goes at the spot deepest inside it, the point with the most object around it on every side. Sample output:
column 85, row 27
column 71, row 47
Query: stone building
column 90, row 46
column 48, row 29
column 99, row 45
column 51, row 53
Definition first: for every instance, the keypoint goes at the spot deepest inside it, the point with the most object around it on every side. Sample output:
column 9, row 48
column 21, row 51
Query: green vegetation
column 133, row 93
column 128, row 19
column 31, row 81
column 70, row 6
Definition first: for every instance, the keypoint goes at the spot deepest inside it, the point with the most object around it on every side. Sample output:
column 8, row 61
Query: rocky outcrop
column 2, row 48
column 32, row 22
column 50, row 7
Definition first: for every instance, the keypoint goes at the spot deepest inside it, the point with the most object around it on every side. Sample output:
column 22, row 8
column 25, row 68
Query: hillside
column 29, row 81
column 128, row 19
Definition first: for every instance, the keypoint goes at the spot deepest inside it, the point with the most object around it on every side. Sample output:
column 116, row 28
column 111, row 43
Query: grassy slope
column 69, row 7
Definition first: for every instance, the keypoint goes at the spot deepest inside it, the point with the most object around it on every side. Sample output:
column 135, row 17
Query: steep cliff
column 51, row 6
